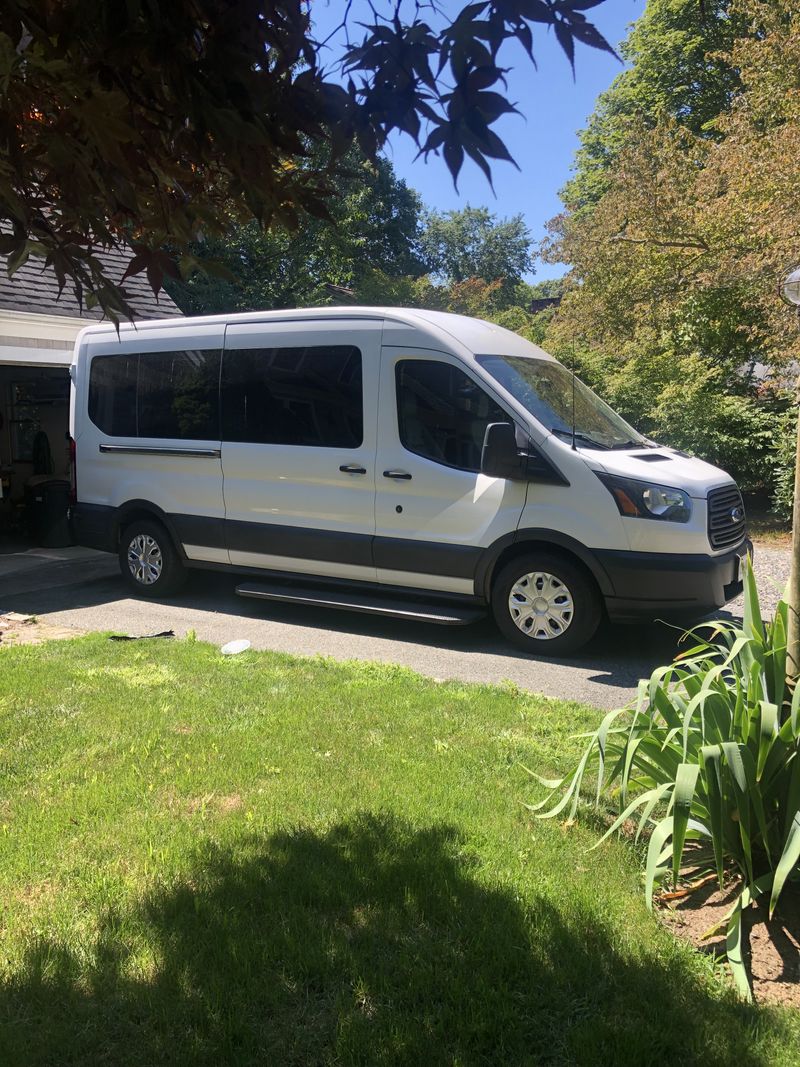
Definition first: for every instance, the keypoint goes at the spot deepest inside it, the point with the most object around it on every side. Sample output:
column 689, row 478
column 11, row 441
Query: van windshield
column 544, row 387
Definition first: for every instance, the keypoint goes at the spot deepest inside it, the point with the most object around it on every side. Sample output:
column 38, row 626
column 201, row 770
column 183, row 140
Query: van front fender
column 520, row 541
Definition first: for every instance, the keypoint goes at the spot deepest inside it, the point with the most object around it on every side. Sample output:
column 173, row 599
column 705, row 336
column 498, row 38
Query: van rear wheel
column 148, row 560
column 545, row 604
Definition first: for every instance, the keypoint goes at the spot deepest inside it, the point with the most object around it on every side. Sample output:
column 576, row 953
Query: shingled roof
column 35, row 289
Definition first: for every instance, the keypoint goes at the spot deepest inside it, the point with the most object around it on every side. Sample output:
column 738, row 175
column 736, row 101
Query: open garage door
column 34, row 427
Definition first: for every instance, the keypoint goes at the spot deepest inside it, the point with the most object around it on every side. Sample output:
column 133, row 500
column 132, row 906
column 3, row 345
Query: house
column 542, row 303
column 38, row 327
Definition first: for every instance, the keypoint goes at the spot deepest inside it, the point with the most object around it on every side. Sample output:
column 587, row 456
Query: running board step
column 391, row 607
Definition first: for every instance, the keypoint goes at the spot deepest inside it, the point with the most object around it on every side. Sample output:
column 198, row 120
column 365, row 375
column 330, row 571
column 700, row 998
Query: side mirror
column 500, row 457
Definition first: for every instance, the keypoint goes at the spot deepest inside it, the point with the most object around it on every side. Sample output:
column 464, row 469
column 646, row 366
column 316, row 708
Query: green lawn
column 267, row 860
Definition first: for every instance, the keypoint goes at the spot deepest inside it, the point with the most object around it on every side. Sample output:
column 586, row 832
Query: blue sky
column 542, row 140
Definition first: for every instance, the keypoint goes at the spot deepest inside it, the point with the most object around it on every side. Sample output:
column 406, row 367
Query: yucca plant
column 707, row 757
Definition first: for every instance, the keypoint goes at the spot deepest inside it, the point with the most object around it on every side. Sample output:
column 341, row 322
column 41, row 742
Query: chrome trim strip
column 155, row 450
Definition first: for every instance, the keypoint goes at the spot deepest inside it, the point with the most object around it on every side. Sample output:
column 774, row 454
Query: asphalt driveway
column 80, row 589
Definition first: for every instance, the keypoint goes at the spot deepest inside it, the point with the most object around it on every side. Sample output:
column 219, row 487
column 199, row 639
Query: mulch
column 772, row 948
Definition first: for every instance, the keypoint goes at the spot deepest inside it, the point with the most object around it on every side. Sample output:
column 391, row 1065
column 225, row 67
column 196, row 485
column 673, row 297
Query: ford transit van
column 408, row 463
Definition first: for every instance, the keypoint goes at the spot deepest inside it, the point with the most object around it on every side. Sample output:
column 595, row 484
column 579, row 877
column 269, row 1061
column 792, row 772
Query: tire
column 569, row 609
column 157, row 571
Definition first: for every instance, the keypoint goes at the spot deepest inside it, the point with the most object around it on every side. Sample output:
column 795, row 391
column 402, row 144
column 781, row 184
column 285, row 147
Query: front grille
column 723, row 529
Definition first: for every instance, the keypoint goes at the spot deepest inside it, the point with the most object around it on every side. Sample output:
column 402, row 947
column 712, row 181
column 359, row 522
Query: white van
column 408, row 463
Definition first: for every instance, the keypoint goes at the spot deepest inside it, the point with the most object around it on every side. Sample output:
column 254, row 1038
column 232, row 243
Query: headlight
column 643, row 500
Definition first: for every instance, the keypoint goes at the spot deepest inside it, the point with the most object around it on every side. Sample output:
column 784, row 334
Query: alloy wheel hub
column 145, row 559
column 541, row 605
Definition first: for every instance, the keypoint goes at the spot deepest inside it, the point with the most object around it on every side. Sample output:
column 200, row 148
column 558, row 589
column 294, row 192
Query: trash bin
column 47, row 501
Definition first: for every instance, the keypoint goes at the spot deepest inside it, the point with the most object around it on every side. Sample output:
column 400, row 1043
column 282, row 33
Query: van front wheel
column 148, row 560
column 545, row 604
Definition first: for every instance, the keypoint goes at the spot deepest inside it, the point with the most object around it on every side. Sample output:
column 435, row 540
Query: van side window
column 293, row 396
column 112, row 394
column 178, row 395
column 442, row 414
column 172, row 395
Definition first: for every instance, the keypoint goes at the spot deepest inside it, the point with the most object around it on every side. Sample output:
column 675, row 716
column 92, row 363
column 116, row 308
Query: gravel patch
column 771, row 566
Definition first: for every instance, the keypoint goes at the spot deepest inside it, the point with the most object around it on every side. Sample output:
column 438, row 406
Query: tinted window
column 178, row 395
column 173, row 395
column 112, row 394
column 442, row 413
column 293, row 396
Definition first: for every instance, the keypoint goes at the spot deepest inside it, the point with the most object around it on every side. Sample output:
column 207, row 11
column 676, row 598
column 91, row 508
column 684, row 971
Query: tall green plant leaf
column 648, row 799
column 752, row 623
column 682, row 796
column 778, row 664
column 788, row 861
column 754, row 797
column 733, row 950
column 711, row 758
column 738, row 775
column 795, row 710
column 791, row 799
column 572, row 791
column 602, row 734
column 658, row 839
column 768, row 731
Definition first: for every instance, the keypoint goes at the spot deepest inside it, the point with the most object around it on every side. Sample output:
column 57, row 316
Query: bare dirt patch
column 16, row 629
column 772, row 953
column 33, row 894
column 213, row 802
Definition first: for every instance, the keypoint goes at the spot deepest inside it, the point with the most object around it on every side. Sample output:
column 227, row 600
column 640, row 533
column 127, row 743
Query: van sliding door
column 299, row 421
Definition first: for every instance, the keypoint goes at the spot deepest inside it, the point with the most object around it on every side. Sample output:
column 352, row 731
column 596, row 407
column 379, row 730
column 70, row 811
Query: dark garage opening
column 34, row 456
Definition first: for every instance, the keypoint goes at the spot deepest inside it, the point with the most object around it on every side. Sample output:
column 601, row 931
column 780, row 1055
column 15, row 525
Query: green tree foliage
column 676, row 70
column 474, row 296
column 369, row 243
column 473, row 243
column 151, row 123
column 546, row 289
column 376, row 249
column 785, row 455
column 681, row 398
column 672, row 291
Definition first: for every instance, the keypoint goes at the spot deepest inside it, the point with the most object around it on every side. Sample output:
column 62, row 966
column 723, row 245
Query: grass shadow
column 372, row 943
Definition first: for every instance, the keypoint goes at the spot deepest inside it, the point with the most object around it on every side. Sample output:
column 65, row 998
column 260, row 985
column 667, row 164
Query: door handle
column 400, row 476
column 352, row 468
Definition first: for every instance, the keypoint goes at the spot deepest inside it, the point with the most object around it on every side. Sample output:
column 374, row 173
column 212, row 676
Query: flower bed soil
column 772, row 949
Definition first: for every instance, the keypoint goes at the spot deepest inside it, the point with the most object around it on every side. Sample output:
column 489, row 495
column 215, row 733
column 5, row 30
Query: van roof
column 477, row 335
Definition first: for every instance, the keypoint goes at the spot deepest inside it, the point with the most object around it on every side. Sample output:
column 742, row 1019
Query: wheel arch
column 522, row 542
column 145, row 509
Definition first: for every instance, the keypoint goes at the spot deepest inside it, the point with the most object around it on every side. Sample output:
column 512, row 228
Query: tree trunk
column 793, row 637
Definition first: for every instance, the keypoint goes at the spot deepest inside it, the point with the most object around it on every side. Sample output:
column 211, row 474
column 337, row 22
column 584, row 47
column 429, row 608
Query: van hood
column 664, row 466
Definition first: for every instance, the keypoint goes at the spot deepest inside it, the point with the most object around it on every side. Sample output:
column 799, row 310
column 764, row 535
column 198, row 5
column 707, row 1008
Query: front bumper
column 658, row 585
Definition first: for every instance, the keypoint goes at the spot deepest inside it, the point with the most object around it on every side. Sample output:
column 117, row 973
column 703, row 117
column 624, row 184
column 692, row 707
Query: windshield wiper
column 578, row 436
column 628, row 444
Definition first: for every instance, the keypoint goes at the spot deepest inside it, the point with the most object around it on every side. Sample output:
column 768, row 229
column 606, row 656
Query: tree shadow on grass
column 372, row 943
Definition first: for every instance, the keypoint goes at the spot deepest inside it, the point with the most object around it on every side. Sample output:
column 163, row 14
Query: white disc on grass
column 234, row 647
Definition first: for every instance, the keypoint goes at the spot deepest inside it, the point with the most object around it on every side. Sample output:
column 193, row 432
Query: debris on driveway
column 140, row 637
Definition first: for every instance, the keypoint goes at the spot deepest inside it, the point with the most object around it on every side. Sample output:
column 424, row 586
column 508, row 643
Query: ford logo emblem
column 737, row 514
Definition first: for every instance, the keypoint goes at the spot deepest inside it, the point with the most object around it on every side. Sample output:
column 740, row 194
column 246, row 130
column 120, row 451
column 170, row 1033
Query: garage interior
column 34, row 454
